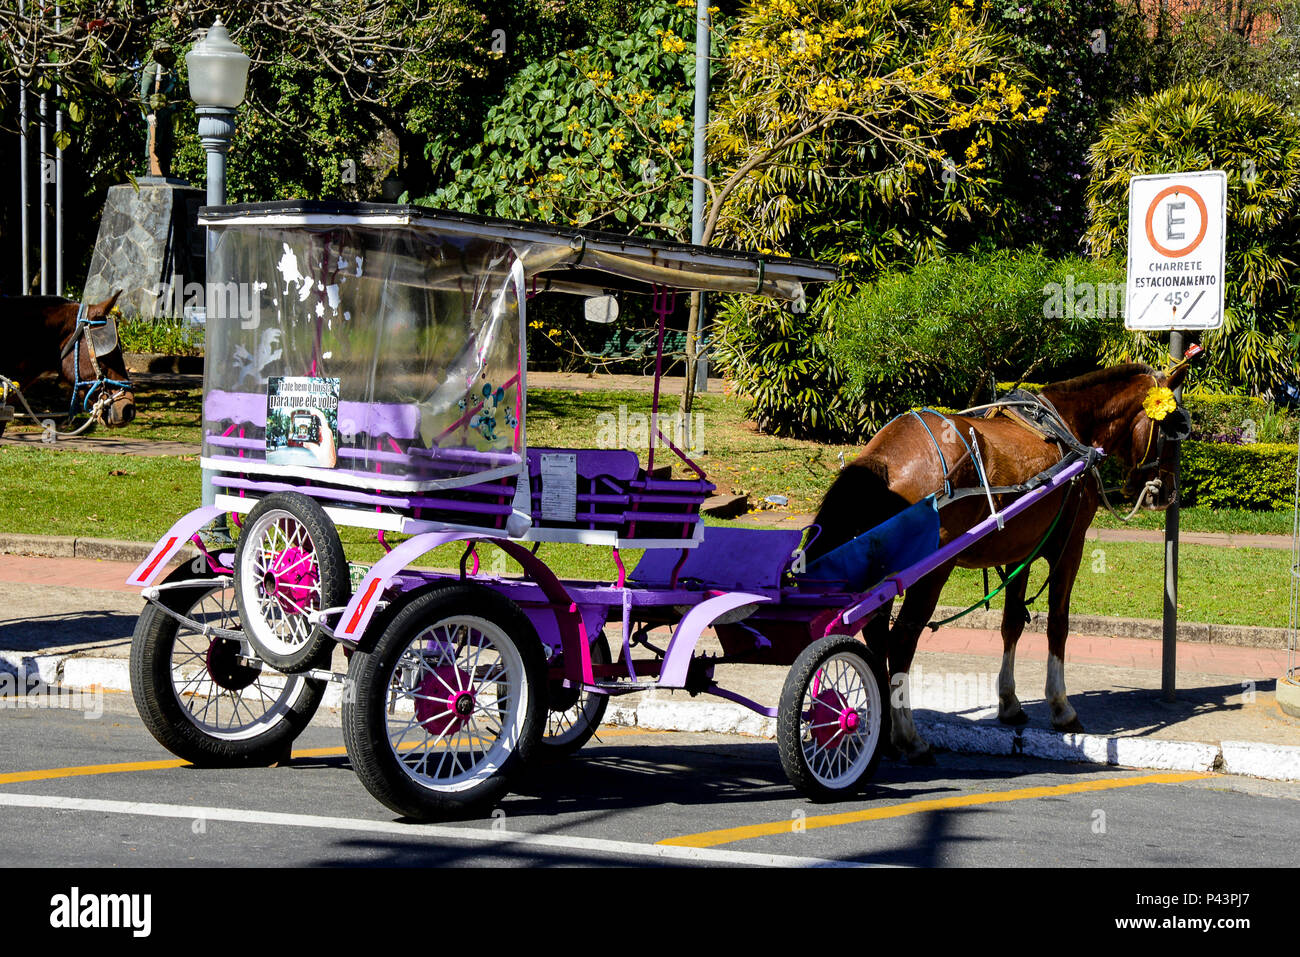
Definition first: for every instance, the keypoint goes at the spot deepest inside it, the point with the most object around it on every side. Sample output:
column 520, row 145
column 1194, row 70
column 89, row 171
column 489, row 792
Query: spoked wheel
column 573, row 715
column 451, row 701
column 830, row 718
column 289, row 563
column 199, row 696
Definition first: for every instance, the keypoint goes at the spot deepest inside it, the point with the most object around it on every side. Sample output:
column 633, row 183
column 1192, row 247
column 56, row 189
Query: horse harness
column 98, row 343
column 1035, row 413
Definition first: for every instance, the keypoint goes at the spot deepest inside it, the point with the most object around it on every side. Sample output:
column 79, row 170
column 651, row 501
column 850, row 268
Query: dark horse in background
column 42, row 335
column 901, row 466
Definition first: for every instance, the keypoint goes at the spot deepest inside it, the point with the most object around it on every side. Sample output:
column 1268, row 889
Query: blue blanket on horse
column 893, row 545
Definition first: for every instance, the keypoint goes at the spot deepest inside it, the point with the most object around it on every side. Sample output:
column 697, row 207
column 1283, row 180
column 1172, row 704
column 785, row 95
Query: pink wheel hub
column 832, row 718
column 291, row 578
column 439, row 709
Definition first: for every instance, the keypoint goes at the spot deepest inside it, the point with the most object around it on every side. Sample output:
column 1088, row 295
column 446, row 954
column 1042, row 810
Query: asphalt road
column 98, row 792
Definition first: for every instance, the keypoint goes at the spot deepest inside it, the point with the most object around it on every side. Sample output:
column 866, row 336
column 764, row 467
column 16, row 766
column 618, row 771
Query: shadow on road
column 80, row 631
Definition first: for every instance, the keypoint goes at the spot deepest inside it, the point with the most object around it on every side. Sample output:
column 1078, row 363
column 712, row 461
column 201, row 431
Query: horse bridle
column 1175, row 426
column 101, row 380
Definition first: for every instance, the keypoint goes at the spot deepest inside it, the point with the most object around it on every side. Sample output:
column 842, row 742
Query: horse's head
column 1130, row 411
column 1157, row 422
column 93, row 362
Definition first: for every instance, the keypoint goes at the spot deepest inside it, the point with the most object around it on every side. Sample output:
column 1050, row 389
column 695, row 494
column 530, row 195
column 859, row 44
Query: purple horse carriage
column 368, row 369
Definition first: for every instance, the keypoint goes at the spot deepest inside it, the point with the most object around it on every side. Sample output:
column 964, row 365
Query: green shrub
column 780, row 361
column 943, row 331
column 1215, row 413
column 1219, row 475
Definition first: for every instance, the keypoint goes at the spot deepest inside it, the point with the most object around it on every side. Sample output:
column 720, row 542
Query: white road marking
column 660, row 852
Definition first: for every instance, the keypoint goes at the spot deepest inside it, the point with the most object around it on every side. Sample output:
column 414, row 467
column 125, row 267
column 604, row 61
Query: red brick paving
column 66, row 572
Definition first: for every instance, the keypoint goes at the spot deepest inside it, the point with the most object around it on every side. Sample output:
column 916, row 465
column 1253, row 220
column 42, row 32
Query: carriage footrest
column 622, row 687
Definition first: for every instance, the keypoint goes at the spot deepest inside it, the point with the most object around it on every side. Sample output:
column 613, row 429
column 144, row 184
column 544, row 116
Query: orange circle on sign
column 1151, row 211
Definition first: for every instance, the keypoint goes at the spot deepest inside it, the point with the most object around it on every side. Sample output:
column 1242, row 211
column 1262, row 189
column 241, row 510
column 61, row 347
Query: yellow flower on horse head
column 1159, row 403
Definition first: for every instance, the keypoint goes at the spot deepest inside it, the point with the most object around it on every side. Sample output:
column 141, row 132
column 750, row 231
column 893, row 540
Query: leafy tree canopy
column 598, row 136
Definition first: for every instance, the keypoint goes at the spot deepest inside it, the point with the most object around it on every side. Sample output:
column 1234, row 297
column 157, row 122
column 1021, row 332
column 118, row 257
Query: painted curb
column 1288, row 696
column 1275, row 761
column 63, row 546
column 32, row 668
column 1085, row 748
column 111, row 674
column 1253, row 760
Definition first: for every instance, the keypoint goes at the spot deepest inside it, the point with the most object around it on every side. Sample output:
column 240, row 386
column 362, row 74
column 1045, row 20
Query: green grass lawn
column 1228, row 586
column 64, row 492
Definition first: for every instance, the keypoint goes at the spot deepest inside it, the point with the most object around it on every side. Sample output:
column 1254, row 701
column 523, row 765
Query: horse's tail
column 859, row 499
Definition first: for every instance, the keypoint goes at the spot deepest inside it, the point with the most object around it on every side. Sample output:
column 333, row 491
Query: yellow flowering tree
column 865, row 132
column 839, row 108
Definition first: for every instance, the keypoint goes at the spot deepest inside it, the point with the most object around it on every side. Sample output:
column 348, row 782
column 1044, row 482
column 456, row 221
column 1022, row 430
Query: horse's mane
column 1098, row 377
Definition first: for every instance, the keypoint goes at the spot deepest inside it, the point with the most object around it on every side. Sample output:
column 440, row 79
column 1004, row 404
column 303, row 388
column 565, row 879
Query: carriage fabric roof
column 556, row 258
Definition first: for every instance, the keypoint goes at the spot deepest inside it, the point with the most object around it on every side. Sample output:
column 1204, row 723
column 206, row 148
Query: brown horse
column 43, row 335
column 901, row 465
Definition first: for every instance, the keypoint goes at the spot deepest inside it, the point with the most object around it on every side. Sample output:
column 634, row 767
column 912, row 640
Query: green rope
column 935, row 625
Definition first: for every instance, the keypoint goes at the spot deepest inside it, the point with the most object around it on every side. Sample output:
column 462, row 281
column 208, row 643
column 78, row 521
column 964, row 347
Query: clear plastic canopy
column 383, row 346
column 403, row 345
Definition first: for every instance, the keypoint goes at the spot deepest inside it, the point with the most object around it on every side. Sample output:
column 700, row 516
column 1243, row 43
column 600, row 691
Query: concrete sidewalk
column 69, row 620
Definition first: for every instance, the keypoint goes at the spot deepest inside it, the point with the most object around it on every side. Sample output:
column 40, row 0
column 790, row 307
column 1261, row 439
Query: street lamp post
column 218, row 77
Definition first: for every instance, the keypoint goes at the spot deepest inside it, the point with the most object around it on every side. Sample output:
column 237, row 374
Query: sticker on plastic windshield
column 302, row 421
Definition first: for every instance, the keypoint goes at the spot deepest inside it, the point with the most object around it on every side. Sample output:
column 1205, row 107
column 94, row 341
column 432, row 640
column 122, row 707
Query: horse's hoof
column 1073, row 726
column 1018, row 718
column 922, row 759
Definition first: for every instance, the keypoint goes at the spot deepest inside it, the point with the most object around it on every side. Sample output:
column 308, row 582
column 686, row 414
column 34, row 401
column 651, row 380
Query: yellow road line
column 727, row 835
column 19, row 777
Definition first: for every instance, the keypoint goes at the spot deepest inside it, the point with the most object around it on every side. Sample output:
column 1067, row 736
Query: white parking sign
column 1176, row 227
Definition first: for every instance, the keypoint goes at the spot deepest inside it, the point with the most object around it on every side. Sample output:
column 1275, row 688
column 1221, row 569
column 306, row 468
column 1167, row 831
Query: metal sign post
column 1169, row 630
column 1176, row 243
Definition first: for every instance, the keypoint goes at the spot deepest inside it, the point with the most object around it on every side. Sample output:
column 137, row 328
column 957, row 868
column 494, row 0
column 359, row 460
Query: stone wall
column 147, row 237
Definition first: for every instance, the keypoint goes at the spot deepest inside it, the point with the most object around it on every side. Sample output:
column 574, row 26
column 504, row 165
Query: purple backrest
column 619, row 464
column 728, row 558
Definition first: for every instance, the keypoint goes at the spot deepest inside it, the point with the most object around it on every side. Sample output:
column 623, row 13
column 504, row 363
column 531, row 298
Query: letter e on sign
column 1177, row 226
